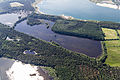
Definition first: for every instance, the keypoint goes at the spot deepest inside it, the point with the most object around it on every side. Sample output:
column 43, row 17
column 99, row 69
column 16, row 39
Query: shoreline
column 113, row 6
column 39, row 12
column 36, row 7
column 17, row 69
column 30, row 72
column 62, row 15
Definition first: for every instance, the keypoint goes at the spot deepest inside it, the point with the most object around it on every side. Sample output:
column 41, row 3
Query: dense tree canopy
column 68, row 65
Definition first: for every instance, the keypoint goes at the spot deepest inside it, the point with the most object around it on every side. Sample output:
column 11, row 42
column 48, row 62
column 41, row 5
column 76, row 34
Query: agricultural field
column 113, row 47
column 110, row 33
column 113, row 43
column 118, row 31
column 113, row 56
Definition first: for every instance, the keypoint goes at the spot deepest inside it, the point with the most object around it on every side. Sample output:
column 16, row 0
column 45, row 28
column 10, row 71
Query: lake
column 81, row 9
column 89, row 47
column 11, row 18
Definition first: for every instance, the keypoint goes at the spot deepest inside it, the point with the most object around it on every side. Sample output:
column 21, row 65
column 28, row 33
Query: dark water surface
column 89, row 47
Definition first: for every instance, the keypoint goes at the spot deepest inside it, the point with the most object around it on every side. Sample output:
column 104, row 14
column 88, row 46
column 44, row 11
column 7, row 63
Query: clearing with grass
column 110, row 33
column 113, row 46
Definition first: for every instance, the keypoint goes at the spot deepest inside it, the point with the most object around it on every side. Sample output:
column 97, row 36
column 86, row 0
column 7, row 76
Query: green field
column 113, row 43
column 113, row 47
column 110, row 33
column 113, row 56
column 118, row 31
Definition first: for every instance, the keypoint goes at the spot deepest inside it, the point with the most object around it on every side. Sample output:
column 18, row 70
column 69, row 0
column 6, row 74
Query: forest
column 79, row 28
column 67, row 64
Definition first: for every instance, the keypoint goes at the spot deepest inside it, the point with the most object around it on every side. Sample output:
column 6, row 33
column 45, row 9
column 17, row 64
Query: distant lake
column 81, row 9
column 10, row 18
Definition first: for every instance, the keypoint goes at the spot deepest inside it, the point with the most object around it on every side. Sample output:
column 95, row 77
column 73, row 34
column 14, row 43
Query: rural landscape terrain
column 55, row 61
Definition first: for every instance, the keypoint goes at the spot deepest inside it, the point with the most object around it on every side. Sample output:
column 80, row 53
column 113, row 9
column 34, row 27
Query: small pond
column 29, row 52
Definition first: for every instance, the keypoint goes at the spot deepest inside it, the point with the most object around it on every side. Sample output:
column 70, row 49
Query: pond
column 29, row 52
column 89, row 47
